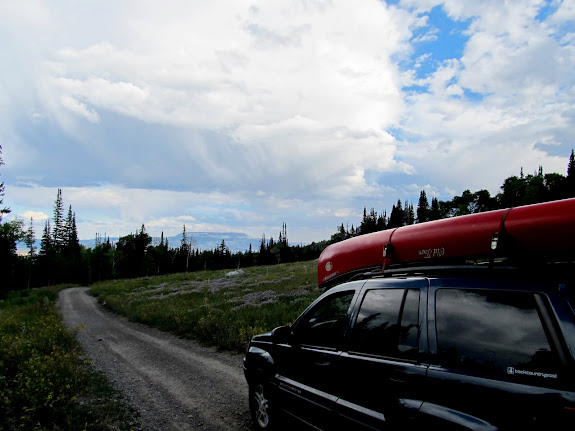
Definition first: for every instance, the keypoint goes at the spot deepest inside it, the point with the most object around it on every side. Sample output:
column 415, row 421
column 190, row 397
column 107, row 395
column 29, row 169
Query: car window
column 325, row 323
column 388, row 323
column 494, row 332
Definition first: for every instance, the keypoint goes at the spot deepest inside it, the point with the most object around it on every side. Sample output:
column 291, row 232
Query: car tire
column 261, row 408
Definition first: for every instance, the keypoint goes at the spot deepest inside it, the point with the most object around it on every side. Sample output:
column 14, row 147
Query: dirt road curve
column 175, row 384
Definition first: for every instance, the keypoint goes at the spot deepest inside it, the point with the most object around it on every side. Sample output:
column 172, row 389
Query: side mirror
column 282, row 335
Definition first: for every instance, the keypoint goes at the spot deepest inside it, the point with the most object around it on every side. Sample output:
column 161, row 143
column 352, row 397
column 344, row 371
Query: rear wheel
column 260, row 407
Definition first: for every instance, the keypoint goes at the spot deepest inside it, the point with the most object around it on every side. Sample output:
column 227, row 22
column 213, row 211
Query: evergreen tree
column 381, row 223
column 435, row 211
column 281, row 250
column 2, row 188
column 570, row 181
column 10, row 234
column 423, row 209
column 46, row 244
column 224, row 250
column 369, row 222
column 340, row 235
column 409, row 214
column 133, row 259
column 396, row 219
column 72, row 243
column 30, row 239
column 59, row 228
column 185, row 248
column 283, row 235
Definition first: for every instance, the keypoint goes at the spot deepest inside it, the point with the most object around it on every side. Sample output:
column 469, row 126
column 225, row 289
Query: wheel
column 260, row 407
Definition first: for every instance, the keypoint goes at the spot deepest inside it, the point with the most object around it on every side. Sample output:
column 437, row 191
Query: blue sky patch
column 442, row 39
column 549, row 9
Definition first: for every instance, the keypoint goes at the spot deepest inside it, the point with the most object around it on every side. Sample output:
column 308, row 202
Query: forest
column 61, row 258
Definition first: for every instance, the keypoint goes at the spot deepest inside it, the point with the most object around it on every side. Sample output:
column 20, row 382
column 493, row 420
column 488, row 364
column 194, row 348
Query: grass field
column 45, row 382
column 216, row 307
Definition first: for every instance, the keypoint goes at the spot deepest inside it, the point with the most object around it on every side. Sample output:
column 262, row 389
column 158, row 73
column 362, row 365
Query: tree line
column 62, row 259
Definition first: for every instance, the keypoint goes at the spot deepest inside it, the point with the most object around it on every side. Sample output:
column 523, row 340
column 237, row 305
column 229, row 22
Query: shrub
column 45, row 384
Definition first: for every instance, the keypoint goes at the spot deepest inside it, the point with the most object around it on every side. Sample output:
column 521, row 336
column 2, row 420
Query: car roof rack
column 533, row 233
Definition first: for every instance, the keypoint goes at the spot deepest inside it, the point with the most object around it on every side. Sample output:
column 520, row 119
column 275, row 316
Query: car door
column 307, row 367
column 498, row 362
column 383, row 369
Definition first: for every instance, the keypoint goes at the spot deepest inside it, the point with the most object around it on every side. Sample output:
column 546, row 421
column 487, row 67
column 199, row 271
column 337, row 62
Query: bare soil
column 174, row 384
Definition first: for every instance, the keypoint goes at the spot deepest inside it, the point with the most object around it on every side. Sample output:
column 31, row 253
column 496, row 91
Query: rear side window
column 494, row 332
column 388, row 323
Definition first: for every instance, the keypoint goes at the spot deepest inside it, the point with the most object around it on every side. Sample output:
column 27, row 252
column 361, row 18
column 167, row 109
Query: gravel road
column 174, row 384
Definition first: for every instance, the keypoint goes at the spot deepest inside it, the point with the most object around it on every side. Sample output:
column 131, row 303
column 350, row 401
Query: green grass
column 213, row 308
column 45, row 383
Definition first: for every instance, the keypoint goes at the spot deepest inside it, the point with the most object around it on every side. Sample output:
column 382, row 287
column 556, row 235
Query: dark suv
column 476, row 347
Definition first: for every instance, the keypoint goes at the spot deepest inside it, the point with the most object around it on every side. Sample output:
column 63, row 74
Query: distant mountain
column 235, row 241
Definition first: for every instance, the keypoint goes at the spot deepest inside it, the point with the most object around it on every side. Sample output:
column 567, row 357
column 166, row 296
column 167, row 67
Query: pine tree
column 185, row 247
column 30, row 239
column 223, row 247
column 46, row 245
column 570, row 182
column 71, row 241
column 59, row 229
column 2, row 188
column 381, row 222
column 422, row 208
column 397, row 217
column 283, row 235
column 435, row 211
column 409, row 214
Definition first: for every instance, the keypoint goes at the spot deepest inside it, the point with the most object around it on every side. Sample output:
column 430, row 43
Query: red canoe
column 532, row 229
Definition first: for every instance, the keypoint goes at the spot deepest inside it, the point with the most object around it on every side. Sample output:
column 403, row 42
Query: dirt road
column 174, row 384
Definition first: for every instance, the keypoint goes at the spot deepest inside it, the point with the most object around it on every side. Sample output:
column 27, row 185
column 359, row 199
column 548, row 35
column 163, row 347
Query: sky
column 242, row 115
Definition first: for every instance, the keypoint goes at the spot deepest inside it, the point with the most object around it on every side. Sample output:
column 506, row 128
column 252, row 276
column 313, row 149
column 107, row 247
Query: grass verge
column 45, row 382
column 220, row 308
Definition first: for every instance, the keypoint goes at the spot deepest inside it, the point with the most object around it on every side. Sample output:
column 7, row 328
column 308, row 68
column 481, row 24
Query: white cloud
column 303, row 84
column 79, row 108
column 256, row 110
column 249, row 66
